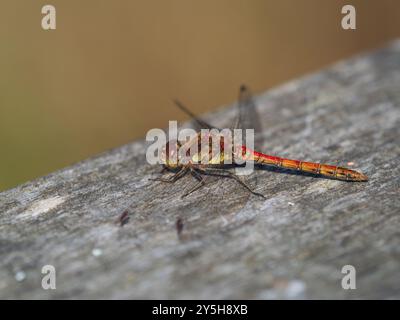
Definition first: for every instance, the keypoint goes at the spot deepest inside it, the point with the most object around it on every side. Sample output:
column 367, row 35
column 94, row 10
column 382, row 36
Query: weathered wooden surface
column 292, row 245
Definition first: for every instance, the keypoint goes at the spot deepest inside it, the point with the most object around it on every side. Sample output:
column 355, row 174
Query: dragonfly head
column 169, row 154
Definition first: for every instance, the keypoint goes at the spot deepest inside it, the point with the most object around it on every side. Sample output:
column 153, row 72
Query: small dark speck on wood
column 123, row 218
column 179, row 227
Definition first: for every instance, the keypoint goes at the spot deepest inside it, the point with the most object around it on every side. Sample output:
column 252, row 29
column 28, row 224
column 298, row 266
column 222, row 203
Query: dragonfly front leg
column 164, row 169
column 173, row 178
column 227, row 174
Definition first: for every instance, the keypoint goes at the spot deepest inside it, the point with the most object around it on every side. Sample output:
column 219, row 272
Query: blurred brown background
column 109, row 71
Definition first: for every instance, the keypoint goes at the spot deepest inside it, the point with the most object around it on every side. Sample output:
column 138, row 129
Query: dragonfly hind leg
column 227, row 174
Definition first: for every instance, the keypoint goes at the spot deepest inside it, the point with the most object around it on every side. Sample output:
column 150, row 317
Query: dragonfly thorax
column 206, row 149
column 169, row 155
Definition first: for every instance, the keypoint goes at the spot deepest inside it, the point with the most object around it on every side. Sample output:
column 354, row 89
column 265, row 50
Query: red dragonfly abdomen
column 310, row 167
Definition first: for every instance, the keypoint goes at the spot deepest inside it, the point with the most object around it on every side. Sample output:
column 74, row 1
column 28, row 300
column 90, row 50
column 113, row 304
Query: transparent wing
column 247, row 117
column 200, row 124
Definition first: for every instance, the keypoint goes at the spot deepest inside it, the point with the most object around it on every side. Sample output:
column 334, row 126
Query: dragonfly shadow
column 291, row 172
column 262, row 167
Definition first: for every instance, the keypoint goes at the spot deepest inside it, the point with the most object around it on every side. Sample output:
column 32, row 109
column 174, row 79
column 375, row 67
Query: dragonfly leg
column 200, row 183
column 173, row 178
column 164, row 169
column 227, row 174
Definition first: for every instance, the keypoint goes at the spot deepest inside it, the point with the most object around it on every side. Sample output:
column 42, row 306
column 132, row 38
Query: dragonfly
column 239, row 153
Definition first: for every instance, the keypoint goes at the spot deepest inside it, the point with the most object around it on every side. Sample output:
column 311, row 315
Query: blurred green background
column 109, row 71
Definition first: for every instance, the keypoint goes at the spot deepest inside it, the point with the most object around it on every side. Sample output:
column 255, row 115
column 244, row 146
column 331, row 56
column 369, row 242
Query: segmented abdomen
column 311, row 167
